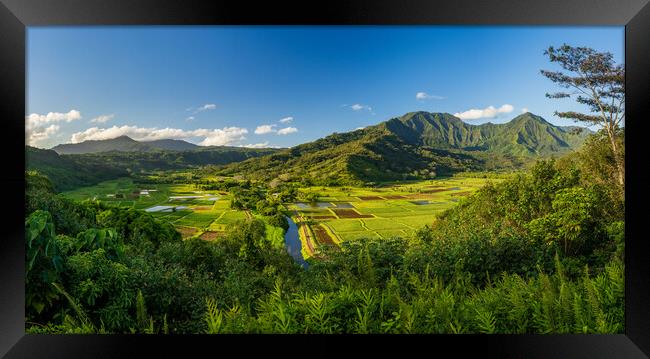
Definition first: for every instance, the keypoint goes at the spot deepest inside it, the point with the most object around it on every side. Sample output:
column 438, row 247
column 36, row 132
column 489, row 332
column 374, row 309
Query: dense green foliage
column 66, row 172
column 540, row 252
column 70, row 171
column 418, row 145
column 97, row 276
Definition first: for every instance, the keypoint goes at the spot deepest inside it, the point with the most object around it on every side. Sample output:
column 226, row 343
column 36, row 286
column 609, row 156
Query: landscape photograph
column 325, row 180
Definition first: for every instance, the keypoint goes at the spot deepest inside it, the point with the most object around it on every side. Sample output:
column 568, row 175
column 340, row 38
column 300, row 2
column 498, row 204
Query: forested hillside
column 66, row 172
column 77, row 170
column 418, row 145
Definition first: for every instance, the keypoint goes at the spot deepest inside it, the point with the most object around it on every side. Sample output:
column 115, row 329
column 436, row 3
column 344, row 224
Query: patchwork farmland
column 340, row 214
column 348, row 213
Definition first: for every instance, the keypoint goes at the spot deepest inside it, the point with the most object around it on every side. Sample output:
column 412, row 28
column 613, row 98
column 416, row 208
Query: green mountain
column 122, row 143
column 525, row 135
column 127, row 144
column 417, row 145
column 67, row 172
column 171, row 145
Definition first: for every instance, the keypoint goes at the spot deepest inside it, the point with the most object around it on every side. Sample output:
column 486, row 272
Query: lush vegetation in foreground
column 540, row 252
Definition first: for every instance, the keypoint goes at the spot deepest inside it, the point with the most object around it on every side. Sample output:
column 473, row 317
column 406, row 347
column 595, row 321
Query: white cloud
column 287, row 130
column 488, row 112
column 40, row 134
column 102, row 119
column 426, row 96
column 189, row 118
column 258, row 145
column 222, row 137
column 206, row 107
column 264, row 129
column 359, row 107
column 359, row 128
column 36, row 125
column 211, row 137
column 35, row 120
column 286, row 119
column 524, row 110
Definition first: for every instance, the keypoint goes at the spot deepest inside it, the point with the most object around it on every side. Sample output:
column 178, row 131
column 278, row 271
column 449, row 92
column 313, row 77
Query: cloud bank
column 258, row 145
column 488, row 112
column 287, row 130
column 264, row 129
column 41, row 127
column 211, row 137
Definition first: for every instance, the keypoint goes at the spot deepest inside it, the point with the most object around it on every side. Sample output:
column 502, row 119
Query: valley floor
column 341, row 213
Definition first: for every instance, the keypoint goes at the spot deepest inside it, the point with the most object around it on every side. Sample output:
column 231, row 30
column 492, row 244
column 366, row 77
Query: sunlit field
column 340, row 214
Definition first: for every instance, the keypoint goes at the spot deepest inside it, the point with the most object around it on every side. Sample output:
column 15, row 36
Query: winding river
column 293, row 244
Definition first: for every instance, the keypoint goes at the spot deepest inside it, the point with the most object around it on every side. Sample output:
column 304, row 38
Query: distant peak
column 529, row 116
column 409, row 115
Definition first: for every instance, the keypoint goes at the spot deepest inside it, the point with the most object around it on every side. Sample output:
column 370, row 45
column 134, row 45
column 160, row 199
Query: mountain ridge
column 123, row 144
column 416, row 145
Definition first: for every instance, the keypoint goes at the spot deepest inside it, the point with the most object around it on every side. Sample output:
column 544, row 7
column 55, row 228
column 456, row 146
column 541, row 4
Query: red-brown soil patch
column 186, row 231
column 350, row 213
column 202, row 208
column 322, row 236
column 394, row 197
column 370, row 198
column 211, row 235
column 323, row 217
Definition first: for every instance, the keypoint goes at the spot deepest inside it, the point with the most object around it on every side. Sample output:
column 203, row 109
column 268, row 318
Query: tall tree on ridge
column 598, row 83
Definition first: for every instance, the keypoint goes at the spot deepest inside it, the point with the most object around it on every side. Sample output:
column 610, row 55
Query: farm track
column 179, row 218
column 304, row 228
column 364, row 226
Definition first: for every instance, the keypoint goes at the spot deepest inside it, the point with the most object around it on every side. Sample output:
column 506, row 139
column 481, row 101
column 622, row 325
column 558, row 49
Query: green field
column 391, row 210
column 391, row 207
column 201, row 213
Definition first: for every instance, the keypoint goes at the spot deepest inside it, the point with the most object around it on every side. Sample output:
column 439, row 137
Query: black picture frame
column 16, row 15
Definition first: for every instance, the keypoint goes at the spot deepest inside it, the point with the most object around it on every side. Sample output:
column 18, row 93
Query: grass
column 197, row 219
column 231, row 216
column 349, row 236
column 376, row 224
column 345, row 225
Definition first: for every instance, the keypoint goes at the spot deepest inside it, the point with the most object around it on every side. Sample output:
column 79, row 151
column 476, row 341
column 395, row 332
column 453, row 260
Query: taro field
column 348, row 213
column 193, row 212
column 341, row 214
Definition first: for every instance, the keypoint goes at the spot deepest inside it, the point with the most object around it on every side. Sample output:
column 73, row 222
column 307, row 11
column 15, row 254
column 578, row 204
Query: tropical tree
column 597, row 82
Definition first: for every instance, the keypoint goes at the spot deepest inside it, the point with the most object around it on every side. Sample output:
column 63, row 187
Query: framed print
column 346, row 175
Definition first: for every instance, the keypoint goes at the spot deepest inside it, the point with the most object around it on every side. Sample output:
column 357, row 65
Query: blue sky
column 216, row 85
